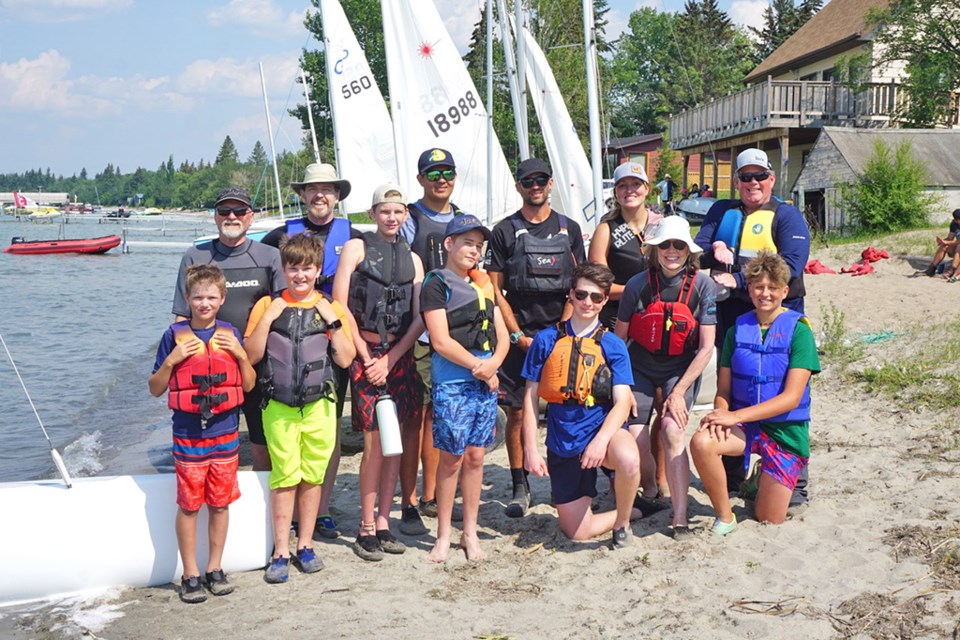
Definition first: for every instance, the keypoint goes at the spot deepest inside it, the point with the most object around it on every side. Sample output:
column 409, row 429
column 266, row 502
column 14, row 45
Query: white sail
column 572, row 177
column 362, row 127
column 435, row 104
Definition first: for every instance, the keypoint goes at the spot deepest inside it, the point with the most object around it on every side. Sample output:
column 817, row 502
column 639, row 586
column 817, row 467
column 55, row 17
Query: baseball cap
column 753, row 157
column 388, row 192
column 531, row 167
column 435, row 158
column 234, row 193
column 629, row 170
column 466, row 222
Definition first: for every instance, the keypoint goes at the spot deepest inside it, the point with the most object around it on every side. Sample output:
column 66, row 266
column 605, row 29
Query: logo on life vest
column 757, row 229
column 243, row 283
column 546, row 262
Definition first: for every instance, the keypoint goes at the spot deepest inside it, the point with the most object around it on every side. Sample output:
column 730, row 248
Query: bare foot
column 471, row 548
column 440, row 550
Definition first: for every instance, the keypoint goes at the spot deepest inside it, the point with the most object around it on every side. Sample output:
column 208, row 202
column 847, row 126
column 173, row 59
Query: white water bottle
column 389, row 425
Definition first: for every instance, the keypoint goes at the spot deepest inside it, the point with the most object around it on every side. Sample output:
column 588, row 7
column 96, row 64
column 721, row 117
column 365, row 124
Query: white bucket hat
column 322, row 173
column 672, row 228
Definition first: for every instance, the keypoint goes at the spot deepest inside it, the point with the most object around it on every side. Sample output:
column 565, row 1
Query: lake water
column 83, row 331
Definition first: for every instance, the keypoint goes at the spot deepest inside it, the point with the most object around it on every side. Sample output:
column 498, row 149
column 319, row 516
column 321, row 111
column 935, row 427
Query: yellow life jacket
column 757, row 234
column 576, row 371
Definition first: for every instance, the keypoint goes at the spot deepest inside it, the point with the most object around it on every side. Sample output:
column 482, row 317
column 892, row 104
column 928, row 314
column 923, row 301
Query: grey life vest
column 297, row 369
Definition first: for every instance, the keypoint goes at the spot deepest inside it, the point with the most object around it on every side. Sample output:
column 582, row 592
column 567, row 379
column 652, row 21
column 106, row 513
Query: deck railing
column 787, row 103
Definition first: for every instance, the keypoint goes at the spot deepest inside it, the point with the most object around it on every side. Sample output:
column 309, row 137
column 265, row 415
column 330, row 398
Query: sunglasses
column 679, row 245
column 759, row 176
column 237, row 211
column 436, row 174
column 595, row 298
column 540, row 181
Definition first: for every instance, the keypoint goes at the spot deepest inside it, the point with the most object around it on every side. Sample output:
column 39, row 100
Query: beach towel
column 859, row 269
column 873, row 255
column 815, row 267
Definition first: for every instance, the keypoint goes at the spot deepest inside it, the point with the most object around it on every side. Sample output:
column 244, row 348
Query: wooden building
column 645, row 150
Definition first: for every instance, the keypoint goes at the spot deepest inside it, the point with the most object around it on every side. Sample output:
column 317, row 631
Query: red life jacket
column 209, row 382
column 667, row 328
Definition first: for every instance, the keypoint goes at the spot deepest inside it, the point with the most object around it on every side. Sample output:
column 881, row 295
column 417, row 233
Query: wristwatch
column 336, row 324
column 515, row 337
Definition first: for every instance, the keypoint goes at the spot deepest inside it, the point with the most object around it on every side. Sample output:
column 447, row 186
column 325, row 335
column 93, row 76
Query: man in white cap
column 252, row 270
column 733, row 232
column 320, row 190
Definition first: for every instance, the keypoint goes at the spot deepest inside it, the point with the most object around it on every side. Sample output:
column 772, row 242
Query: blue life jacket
column 332, row 245
column 759, row 367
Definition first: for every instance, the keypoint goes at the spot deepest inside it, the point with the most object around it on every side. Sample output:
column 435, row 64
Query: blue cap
column 466, row 222
column 435, row 158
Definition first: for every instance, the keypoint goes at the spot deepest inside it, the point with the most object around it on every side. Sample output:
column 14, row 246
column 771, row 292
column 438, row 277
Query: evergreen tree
column 227, row 154
column 258, row 157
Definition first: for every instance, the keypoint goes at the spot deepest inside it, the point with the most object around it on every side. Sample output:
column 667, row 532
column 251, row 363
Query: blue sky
column 84, row 83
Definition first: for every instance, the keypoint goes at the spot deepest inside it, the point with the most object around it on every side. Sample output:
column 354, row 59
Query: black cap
column 532, row 166
column 234, row 193
column 466, row 222
column 435, row 157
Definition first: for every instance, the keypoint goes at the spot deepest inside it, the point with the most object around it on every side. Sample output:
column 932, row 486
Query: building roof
column 622, row 143
column 837, row 26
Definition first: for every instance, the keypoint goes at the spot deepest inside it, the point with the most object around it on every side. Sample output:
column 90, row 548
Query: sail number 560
column 355, row 87
column 441, row 122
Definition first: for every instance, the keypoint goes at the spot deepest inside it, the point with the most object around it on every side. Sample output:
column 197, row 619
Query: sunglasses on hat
column 595, row 298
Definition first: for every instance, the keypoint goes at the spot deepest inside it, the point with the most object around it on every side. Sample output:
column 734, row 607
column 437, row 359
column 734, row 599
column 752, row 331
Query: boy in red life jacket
column 763, row 398
column 586, row 412
column 202, row 362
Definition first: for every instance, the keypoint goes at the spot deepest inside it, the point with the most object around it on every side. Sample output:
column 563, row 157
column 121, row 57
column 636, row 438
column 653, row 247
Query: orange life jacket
column 208, row 382
column 576, row 371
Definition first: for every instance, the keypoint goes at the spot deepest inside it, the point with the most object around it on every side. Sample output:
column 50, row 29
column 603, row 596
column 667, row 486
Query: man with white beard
column 252, row 271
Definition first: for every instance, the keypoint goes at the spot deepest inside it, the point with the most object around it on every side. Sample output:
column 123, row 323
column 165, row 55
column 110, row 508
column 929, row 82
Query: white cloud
column 52, row 11
column 460, row 17
column 231, row 77
column 261, row 17
column 748, row 13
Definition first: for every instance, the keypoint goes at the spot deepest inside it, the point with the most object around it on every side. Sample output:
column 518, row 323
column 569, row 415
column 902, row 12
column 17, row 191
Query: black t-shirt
column 533, row 311
column 954, row 227
column 433, row 294
column 275, row 237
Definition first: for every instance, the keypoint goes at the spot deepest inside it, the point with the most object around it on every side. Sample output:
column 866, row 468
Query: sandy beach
column 873, row 555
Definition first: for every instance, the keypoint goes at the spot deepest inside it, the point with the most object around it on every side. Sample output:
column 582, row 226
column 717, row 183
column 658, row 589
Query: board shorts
column 300, row 442
column 645, row 391
column 403, row 385
column 464, row 415
column 423, row 354
column 568, row 480
column 780, row 464
column 206, row 471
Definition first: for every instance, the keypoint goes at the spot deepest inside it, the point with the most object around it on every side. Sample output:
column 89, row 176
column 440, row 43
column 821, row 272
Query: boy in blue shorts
column 469, row 341
column 202, row 363
column 766, row 414
column 583, row 372
column 296, row 338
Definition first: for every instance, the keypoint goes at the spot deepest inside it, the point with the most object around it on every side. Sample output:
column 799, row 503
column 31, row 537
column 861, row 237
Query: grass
column 839, row 349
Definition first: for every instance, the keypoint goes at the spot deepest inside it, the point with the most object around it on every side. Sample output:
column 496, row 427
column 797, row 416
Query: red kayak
column 82, row 245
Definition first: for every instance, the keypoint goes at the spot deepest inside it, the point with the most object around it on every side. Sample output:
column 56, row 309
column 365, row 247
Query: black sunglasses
column 238, row 211
column 679, row 245
column 595, row 298
column 759, row 176
column 436, row 174
column 540, row 181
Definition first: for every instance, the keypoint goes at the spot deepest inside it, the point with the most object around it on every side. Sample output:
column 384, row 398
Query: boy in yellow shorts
column 297, row 338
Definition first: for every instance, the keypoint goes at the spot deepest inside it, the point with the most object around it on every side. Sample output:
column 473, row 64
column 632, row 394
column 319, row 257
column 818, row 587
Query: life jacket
column 539, row 265
column 576, row 371
column 297, row 369
column 428, row 242
column 337, row 236
column 759, row 367
column 381, row 287
column 208, row 382
column 470, row 307
column 666, row 328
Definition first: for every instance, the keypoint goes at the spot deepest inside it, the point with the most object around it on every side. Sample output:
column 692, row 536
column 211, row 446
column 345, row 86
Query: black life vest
column 381, row 287
column 576, row 371
column 666, row 328
column 428, row 242
column 208, row 382
column 337, row 236
column 470, row 307
column 539, row 265
column 297, row 369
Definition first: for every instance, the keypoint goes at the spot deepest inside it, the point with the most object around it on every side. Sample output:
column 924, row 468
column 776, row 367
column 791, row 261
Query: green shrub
column 889, row 194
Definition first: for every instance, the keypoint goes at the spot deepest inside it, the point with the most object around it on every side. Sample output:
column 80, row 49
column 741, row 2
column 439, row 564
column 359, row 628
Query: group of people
column 433, row 333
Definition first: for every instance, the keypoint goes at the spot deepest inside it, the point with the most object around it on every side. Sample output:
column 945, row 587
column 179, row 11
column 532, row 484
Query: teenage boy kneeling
column 587, row 408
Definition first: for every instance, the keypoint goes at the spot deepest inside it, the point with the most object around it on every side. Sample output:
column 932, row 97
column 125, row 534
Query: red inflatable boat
column 83, row 245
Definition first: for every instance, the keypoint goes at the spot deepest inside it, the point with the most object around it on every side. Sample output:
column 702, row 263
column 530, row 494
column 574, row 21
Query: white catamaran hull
column 114, row 531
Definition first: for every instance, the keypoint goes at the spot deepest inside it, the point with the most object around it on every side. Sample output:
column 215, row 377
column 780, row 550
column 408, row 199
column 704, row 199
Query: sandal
column 367, row 546
column 389, row 543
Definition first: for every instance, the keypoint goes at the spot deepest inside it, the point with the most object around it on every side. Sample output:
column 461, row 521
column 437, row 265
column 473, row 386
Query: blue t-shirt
column 409, row 228
column 190, row 425
column 570, row 428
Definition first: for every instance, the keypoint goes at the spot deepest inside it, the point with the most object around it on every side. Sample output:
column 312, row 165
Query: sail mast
column 593, row 104
column 521, row 83
column 513, row 76
column 306, row 96
column 273, row 150
column 489, row 10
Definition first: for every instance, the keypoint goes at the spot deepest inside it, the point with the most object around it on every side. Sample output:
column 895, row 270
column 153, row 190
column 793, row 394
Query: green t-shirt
column 792, row 436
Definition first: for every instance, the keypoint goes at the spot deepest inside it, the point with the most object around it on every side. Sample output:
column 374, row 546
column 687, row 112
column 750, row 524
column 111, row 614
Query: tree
column 258, row 157
column 924, row 35
column 227, row 154
column 781, row 19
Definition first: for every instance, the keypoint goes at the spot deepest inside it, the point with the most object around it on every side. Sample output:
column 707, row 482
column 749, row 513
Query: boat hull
column 85, row 245
column 115, row 531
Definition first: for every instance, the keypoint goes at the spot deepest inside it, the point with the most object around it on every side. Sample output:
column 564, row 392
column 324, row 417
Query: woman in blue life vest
column 669, row 315
column 378, row 279
column 763, row 398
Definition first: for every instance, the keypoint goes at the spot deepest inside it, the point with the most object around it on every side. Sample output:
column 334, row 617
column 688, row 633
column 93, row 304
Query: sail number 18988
column 441, row 122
